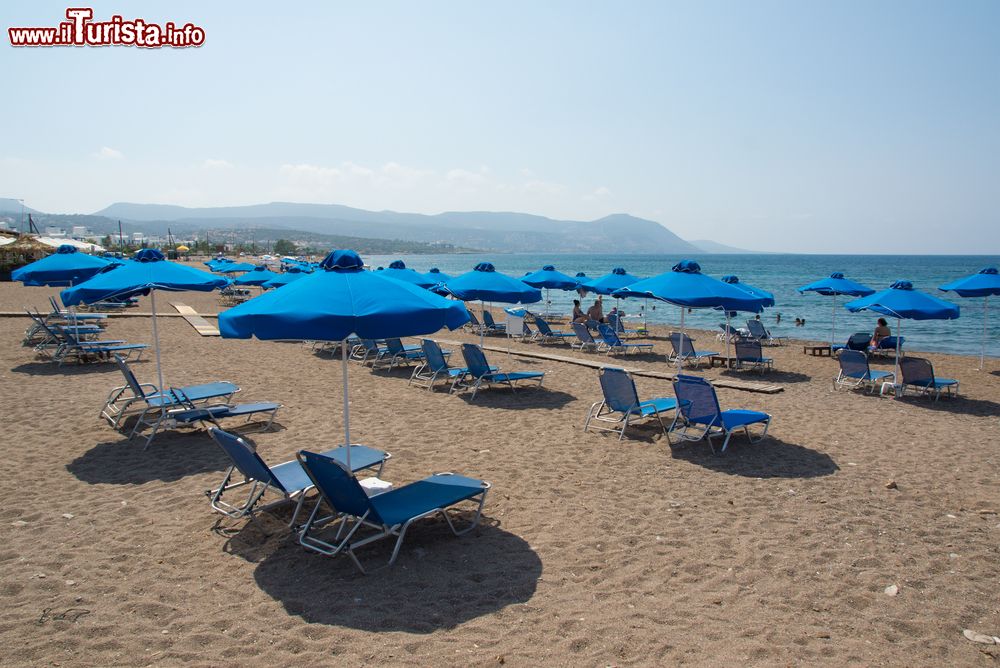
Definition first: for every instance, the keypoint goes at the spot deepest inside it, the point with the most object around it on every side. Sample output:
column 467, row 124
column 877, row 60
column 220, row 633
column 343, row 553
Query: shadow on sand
column 438, row 582
column 767, row 376
column 49, row 368
column 771, row 458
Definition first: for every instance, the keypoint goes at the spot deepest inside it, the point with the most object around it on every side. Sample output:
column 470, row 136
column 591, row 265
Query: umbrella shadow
column 49, row 368
column 438, row 582
column 170, row 457
column 500, row 396
column 771, row 458
column 770, row 376
column 960, row 405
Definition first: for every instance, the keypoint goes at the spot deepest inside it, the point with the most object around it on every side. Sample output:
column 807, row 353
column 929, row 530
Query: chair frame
column 950, row 389
column 601, row 411
column 686, row 430
column 492, row 375
column 868, row 380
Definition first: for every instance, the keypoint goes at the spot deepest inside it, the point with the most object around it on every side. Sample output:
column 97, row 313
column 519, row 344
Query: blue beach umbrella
column 397, row 269
column 258, row 276
column 292, row 273
column 67, row 266
column 485, row 284
column 339, row 299
column 550, row 279
column 608, row 283
column 437, row 276
column 685, row 286
column 984, row 284
column 148, row 272
column 833, row 286
column 767, row 298
column 234, row 268
column 901, row 301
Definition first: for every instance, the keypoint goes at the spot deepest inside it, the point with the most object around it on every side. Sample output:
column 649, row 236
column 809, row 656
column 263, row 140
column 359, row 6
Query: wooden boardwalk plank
column 199, row 323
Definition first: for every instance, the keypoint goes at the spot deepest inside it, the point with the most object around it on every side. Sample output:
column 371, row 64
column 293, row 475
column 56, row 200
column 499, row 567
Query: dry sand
column 591, row 552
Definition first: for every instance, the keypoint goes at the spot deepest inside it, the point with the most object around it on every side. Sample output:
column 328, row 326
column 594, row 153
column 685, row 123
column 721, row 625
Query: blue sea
column 780, row 274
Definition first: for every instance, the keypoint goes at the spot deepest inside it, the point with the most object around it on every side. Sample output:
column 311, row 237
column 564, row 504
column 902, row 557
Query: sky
column 847, row 126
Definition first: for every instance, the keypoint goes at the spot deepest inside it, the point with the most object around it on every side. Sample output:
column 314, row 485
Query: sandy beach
column 591, row 552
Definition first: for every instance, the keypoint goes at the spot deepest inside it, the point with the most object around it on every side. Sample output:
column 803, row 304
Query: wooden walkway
column 202, row 326
column 598, row 362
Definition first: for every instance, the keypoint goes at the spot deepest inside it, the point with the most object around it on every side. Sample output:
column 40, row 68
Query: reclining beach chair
column 480, row 372
column 728, row 332
column 763, row 336
column 855, row 372
column 93, row 350
column 388, row 514
column 546, row 334
column 474, row 325
column 918, row 374
column 397, row 354
column 435, row 366
column 491, row 326
column 136, row 397
column 700, row 417
column 614, row 344
column 618, row 325
column 287, row 480
column 621, row 405
column 584, row 339
column 887, row 347
column 683, row 348
column 858, row 341
column 368, row 351
column 749, row 354
column 58, row 312
column 44, row 336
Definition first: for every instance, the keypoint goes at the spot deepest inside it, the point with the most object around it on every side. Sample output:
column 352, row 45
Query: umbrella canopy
column 293, row 273
column 833, row 286
column 342, row 298
column 901, row 301
column 984, row 284
column 67, row 266
column 547, row 277
column 234, row 267
column 182, row 249
column 397, row 269
column 437, row 276
column 605, row 285
column 766, row 297
column 217, row 261
column 145, row 275
column 259, row 276
column 485, row 283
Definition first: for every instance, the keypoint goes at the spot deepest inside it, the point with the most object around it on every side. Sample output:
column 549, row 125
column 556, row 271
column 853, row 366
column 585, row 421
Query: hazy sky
column 798, row 126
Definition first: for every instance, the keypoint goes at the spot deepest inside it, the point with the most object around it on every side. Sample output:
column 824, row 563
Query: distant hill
column 487, row 230
column 716, row 247
column 12, row 206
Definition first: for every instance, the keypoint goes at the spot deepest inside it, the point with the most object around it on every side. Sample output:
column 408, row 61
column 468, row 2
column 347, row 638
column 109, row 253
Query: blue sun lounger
column 482, row 373
column 584, row 339
column 887, row 347
column 397, row 354
column 760, row 334
column 858, row 341
column 918, row 374
column 546, row 334
column 86, row 350
column 621, row 405
column 287, row 480
column 613, row 344
column 683, row 348
column 136, row 397
column 749, row 354
column 388, row 514
column 855, row 372
column 618, row 325
column 434, row 367
column 491, row 326
column 700, row 417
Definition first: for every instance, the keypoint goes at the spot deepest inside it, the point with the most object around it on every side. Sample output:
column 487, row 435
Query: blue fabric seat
column 288, row 480
column 388, row 514
column 700, row 416
column 918, row 374
column 584, row 339
column 621, row 405
column 482, row 373
column 683, row 349
column 435, row 366
column 858, row 341
column 855, row 372
column 614, row 344
column 750, row 354
column 546, row 334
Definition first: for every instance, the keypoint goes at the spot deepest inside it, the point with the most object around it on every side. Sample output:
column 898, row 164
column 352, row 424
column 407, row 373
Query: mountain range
column 484, row 230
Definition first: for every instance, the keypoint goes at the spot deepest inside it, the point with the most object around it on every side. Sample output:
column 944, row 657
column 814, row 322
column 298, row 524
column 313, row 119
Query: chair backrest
column 756, row 328
column 336, row 484
column 370, row 345
column 69, row 334
column 244, row 457
column 859, row 341
column 682, row 343
column 609, row 335
column 916, row 371
column 854, row 364
column 582, row 333
column 488, row 319
column 619, row 389
column 525, row 329
column 55, row 304
column 696, row 400
column 475, row 360
column 889, row 342
column 543, row 326
column 473, row 320
column 395, row 346
column 749, row 350
column 616, row 322
column 130, row 379
column 435, row 358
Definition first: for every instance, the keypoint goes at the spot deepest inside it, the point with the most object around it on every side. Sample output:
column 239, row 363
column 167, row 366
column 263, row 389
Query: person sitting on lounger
column 578, row 314
column 881, row 331
column 596, row 312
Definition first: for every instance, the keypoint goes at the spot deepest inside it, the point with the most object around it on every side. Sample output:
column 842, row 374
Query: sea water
column 780, row 274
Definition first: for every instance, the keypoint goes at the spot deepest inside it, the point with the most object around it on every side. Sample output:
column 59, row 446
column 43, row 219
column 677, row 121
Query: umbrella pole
column 680, row 357
column 156, row 341
column 482, row 323
column 833, row 328
column 897, row 385
column 982, row 352
column 347, row 409
column 729, row 361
